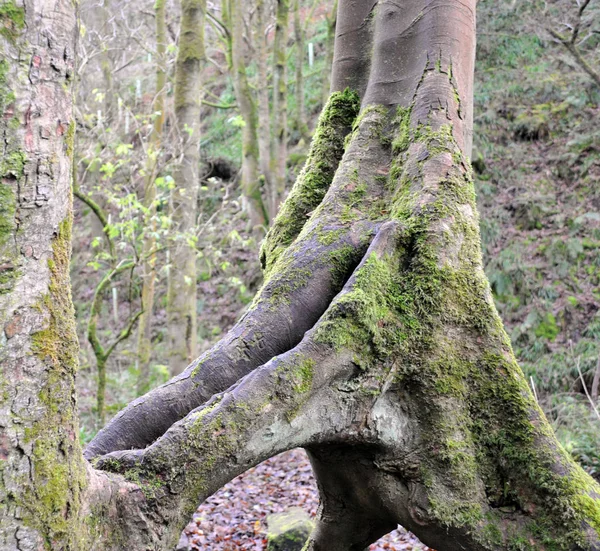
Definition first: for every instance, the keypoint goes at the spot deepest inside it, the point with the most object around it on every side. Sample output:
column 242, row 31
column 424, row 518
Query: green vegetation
column 12, row 20
column 538, row 165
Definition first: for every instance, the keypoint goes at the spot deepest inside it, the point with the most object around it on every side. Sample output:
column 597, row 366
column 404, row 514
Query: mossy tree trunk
column 374, row 343
column 149, row 201
column 181, row 305
column 39, row 448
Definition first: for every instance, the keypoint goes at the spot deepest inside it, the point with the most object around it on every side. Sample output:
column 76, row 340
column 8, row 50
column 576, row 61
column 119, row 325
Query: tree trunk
column 329, row 45
column 40, row 458
column 264, row 110
column 106, row 64
column 280, row 91
column 374, row 343
column 191, row 58
column 250, row 184
column 301, row 122
column 149, row 202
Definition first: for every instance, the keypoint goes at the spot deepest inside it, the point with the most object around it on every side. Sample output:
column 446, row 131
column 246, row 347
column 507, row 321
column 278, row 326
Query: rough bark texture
column 374, row 343
column 39, row 449
column 264, row 109
column 181, row 310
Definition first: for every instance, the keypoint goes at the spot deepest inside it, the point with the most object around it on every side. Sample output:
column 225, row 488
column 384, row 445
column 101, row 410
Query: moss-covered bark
column 404, row 389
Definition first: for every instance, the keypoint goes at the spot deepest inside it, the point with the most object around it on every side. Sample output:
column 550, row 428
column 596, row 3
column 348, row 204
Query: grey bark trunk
column 181, row 308
column 280, row 91
column 264, row 111
column 149, row 241
column 250, row 182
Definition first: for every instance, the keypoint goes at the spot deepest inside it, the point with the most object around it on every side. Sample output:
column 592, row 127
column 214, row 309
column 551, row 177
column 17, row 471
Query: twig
column 534, row 390
column 586, row 390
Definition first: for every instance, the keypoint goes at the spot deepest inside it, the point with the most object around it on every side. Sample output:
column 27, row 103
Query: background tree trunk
column 280, row 91
column 264, row 111
column 329, row 45
column 149, row 245
column 301, row 122
column 191, row 57
column 250, row 183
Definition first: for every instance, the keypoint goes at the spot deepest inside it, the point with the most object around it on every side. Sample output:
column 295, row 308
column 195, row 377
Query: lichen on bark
column 52, row 502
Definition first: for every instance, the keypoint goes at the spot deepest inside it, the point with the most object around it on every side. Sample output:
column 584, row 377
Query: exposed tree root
column 376, row 345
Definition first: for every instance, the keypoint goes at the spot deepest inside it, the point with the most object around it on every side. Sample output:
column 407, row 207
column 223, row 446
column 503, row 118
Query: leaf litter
column 234, row 518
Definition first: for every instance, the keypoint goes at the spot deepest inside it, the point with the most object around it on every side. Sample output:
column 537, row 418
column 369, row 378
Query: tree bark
column 301, row 121
column 182, row 311
column 149, row 202
column 374, row 343
column 329, row 45
column 264, row 110
column 250, row 184
column 280, row 118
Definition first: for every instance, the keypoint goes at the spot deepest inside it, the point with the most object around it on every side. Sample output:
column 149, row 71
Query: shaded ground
column 235, row 517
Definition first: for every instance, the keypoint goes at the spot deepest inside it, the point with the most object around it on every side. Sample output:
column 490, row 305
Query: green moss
column 304, row 373
column 7, row 216
column 313, row 182
column 13, row 165
column 296, row 375
column 340, row 259
column 12, row 20
column 402, row 138
column 52, row 502
column 328, row 237
column 284, row 283
column 70, row 139
column 149, row 483
column 7, row 96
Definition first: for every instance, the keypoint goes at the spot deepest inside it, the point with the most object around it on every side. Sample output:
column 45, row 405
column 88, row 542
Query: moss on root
column 488, row 450
column 313, row 182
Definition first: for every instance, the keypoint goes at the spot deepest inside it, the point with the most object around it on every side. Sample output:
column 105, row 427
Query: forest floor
column 235, row 517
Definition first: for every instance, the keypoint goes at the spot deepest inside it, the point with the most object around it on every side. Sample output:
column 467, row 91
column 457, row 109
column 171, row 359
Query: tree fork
column 374, row 343
column 418, row 391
